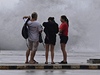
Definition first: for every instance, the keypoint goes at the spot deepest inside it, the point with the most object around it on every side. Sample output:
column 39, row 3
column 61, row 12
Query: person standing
column 34, row 28
column 50, row 29
column 63, row 32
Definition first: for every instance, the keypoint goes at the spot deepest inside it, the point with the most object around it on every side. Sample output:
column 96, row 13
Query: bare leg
column 52, row 53
column 64, row 52
column 27, row 55
column 47, row 52
column 33, row 53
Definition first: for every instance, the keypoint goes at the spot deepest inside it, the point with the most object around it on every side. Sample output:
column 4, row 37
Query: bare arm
column 60, row 31
column 26, row 17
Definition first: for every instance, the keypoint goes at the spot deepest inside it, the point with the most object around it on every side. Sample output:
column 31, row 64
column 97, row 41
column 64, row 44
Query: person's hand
column 59, row 33
column 26, row 17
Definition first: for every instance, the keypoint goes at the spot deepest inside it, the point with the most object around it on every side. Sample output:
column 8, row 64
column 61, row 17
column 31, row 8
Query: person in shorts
column 50, row 29
column 34, row 28
column 63, row 32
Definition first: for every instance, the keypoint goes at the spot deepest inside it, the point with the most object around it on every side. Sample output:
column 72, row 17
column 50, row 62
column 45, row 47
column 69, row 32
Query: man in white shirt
column 34, row 28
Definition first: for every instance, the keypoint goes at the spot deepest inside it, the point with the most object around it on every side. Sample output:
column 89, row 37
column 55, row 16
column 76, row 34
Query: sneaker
column 62, row 62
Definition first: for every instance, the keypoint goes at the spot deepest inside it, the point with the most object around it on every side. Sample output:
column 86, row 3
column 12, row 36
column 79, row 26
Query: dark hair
column 51, row 18
column 34, row 15
column 65, row 18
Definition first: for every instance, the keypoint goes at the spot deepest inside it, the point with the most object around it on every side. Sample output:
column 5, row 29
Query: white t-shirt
column 33, row 30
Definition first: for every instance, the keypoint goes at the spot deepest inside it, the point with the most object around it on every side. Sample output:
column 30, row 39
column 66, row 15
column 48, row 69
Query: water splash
column 83, row 16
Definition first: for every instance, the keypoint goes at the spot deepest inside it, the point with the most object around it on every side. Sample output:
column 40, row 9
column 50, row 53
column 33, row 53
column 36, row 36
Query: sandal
column 26, row 62
column 31, row 62
column 46, row 62
column 35, row 62
column 52, row 63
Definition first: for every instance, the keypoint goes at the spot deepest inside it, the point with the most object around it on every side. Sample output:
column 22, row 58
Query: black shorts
column 63, row 39
column 50, row 40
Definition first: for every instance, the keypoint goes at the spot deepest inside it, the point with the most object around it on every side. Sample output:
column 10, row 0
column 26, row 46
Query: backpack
column 25, row 29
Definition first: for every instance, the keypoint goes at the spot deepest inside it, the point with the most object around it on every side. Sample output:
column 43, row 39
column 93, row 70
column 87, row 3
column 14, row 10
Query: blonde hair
column 34, row 15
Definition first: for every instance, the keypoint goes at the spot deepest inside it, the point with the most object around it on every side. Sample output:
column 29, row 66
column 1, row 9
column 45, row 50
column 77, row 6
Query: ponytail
column 65, row 18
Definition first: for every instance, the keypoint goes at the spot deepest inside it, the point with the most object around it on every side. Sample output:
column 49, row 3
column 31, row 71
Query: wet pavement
column 73, row 57
column 49, row 72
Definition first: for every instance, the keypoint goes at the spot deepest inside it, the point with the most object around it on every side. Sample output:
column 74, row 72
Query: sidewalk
column 76, row 60
column 18, row 56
